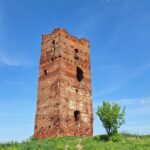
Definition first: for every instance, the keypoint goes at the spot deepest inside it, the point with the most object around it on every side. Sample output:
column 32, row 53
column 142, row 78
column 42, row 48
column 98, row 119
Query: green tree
column 111, row 116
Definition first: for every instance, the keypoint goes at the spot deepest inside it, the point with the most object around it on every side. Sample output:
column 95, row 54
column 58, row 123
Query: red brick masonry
column 64, row 101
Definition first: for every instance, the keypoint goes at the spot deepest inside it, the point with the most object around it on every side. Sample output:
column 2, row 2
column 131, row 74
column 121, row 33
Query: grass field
column 128, row 142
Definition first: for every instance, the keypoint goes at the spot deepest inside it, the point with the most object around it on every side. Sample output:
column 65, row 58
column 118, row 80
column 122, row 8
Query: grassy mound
column 125, row 142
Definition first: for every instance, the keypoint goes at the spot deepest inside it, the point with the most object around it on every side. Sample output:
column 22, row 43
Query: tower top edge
column 67, row 35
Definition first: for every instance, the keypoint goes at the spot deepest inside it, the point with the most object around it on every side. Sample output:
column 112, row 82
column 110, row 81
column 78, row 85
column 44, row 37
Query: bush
column 115, row 138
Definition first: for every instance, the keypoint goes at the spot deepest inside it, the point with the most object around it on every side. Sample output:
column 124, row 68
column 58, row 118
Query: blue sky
column 119, row 32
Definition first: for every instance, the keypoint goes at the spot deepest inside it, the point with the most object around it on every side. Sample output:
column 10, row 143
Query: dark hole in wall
column 53, row 42
column 79, row 74
column 76, row 57
column 45, row 72
column 77, row 115
column 76, row 50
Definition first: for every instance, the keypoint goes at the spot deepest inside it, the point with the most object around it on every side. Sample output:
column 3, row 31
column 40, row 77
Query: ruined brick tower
column 64, row 102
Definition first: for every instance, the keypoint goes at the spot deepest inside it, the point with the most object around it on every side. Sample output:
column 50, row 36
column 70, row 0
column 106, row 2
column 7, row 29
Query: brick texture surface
column 64, row 101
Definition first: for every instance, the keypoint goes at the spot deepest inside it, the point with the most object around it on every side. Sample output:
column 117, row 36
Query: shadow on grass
column 101, row 137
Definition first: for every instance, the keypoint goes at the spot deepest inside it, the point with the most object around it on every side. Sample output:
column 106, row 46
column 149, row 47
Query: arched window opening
column 80, row 75
column 45, row 72
column 77, row 115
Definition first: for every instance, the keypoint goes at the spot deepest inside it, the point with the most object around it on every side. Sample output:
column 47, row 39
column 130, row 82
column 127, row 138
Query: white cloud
column 8, row 60
column 136, row 103
column 145, row 101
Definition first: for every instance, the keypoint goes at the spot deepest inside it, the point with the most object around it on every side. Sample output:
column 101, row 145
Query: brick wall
column 64, row 101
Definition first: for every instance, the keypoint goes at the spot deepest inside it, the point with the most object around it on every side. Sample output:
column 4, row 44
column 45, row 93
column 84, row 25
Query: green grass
column 127, row 142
